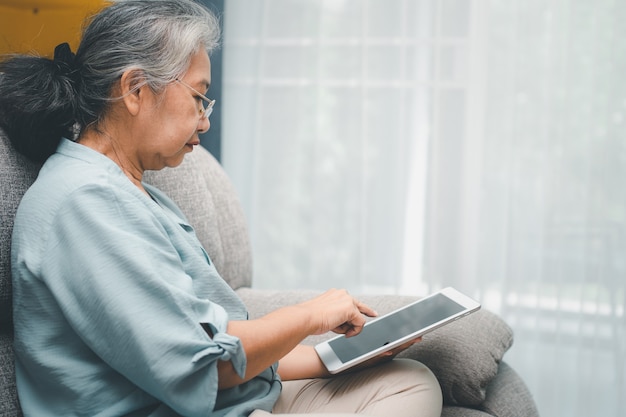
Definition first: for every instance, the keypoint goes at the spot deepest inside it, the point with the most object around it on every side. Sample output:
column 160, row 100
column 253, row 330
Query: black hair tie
column 65, row 59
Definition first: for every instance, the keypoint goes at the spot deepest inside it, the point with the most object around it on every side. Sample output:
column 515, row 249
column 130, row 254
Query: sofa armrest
column 464, row 355
column 508, row 395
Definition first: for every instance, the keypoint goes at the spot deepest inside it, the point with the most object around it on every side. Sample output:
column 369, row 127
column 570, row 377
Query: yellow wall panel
column 36, row 27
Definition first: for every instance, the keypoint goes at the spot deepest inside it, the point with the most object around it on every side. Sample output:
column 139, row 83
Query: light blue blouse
column 110, row 288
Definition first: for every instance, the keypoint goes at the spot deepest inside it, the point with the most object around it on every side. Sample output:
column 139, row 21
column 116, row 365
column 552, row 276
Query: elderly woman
column 118, row 309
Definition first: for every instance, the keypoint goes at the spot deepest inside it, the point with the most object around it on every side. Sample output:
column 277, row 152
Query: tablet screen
column 396, row 326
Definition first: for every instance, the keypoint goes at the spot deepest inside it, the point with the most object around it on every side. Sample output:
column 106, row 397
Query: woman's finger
column 365, row 309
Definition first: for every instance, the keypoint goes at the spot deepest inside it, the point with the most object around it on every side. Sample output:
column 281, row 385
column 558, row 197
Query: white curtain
column 401, row 146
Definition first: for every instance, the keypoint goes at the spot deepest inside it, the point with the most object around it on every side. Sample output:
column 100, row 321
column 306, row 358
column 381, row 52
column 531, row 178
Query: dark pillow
column 465, row 355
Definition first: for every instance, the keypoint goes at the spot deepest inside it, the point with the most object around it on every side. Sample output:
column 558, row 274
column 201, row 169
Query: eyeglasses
column 205, row 109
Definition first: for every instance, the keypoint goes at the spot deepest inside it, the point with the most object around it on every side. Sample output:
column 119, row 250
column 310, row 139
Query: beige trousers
column 398, row 388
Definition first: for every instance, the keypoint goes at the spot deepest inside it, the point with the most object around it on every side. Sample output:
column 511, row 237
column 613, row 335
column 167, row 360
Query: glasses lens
column 208, row 109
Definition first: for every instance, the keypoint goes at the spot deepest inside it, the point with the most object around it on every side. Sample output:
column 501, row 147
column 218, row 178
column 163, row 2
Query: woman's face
column 171, row 126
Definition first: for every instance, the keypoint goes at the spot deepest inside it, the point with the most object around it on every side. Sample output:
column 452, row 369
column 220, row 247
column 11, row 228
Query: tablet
column 393, row 329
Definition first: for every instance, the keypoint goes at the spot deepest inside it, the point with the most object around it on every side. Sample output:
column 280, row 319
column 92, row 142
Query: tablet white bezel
column 335, row 365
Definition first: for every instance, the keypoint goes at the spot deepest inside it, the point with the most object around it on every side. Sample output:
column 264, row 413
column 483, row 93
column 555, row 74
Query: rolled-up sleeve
column 228, row 348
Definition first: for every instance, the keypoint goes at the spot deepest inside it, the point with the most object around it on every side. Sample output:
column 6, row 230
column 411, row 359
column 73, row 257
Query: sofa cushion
column 464, row 355
column 457, row 411
column 508, row 396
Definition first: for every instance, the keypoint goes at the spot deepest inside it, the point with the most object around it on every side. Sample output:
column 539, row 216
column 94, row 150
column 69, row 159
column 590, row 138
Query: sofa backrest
column 16, row 174
column 199, row 186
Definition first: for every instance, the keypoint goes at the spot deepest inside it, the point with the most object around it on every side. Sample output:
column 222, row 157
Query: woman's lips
column 192, row 144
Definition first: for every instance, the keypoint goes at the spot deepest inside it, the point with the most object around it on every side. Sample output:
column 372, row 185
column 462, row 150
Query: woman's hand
column 337, row 311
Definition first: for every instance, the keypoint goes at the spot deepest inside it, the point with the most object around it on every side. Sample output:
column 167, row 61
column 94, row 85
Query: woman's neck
column 113, row 148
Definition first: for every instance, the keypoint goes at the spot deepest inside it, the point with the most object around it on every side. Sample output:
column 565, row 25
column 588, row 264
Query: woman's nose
column 204, row 125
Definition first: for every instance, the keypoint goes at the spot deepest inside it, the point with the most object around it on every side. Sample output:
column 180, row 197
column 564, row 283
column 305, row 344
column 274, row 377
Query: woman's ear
column 133, row 90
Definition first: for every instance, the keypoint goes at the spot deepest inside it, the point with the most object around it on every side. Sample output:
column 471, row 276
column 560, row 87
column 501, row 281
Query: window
column 403, row 146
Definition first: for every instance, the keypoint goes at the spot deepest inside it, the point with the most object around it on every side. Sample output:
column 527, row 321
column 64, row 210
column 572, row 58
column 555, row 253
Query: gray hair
column 155, row 37
column 42, row 100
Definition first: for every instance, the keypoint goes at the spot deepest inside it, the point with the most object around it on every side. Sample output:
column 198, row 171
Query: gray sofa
column 466, row 356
